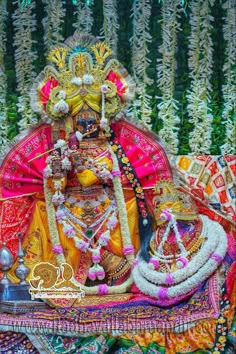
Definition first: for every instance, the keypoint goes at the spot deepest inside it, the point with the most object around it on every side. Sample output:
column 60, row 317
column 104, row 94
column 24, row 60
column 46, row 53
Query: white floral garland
column 3, row 78
column 121, row 206
column 229, row 88
column 200, row 67
column 52, row 23
column 196, row 262
column 24, row 24
column 84, row 17
column 110, row 24
column 203, row 272
column 168, row 107
column 125, row 234
column 141, row 13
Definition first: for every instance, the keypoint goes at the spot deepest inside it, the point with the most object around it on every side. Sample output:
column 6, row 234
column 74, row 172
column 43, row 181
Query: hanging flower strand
column 84, row 17
column 24, row 24
column 229, row 88
column 166, row 66
column 141, row 13
column 3, row 78
column 110, row 24
column 200, row 66
column 52, row 23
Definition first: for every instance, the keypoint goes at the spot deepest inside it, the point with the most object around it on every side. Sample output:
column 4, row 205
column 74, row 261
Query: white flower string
column 24, row 24
column 141, row 13
column 168, row 107
column 229, row 87
column 120, row 200
column 110, row 24
column 3, row 77
column 84, row 17
column 176, row 287
column 200, row 67
column 52, row 225
column 52, row 23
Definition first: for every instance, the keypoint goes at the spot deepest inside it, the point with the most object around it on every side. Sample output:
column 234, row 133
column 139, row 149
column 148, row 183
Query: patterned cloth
column 211, row 179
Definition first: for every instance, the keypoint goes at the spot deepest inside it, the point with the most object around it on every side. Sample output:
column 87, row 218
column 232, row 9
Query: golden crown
column 167, row 197
column 82, row 70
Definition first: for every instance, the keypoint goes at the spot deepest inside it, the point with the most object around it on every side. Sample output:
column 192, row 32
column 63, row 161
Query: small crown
column 168, row 197
column 166, row 192
column 101, row 52
column 58, row 56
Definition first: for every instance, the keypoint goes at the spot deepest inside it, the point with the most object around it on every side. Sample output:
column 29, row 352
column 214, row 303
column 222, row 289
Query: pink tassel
column 102, row 289
column 169, row 279
column 92, row 275
column 128, row 250
column 96, row 258
column 57, row 249
column 100, row 274
column 216, row 257
column 135, row 263
column 162, row 293
column 153, row 263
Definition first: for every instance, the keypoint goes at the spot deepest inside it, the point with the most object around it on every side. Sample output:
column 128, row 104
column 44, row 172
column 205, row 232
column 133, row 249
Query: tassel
column 145, row 232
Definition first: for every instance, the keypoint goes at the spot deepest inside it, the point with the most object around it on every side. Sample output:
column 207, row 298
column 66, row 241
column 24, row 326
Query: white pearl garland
column 144, row 280
column 196, row 262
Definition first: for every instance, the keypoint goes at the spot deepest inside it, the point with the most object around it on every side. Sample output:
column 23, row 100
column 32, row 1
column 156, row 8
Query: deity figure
column 94, row 188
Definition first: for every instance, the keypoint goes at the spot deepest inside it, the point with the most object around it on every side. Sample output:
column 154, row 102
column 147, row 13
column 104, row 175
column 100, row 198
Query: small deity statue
column 101, row 191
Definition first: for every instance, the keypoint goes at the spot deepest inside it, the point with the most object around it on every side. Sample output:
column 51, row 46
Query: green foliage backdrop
column 125, row 32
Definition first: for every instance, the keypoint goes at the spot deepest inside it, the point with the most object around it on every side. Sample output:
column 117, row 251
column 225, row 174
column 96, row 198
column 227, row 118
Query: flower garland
column 176, row 287
column 141, row 13
column 128, row 248
column 229, row 88
column 196, row 262
column 24, row 24
column 52, row 23
column 200, row 65
column 3, row 78
column 168, row 106
column 84, row 17
column 110, row 24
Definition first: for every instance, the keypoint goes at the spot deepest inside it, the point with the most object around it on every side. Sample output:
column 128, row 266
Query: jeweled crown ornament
column 168, row 200
column 83, row 71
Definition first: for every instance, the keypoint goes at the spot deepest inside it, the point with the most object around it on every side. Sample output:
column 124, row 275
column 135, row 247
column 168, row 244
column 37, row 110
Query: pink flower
column 135, row 263
column 69, row 231
column 57, row 249
column 128, row 250
column 102, row 289
column 96, row 258
column 92, row 275
column 162, row 293
column 116, row 173
column 60, row 214
column 104, row 88
column 165, row 215
column 216, row 257
column 100, row 274
column 153, row 263
column 181, row 262
column 169, row 279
